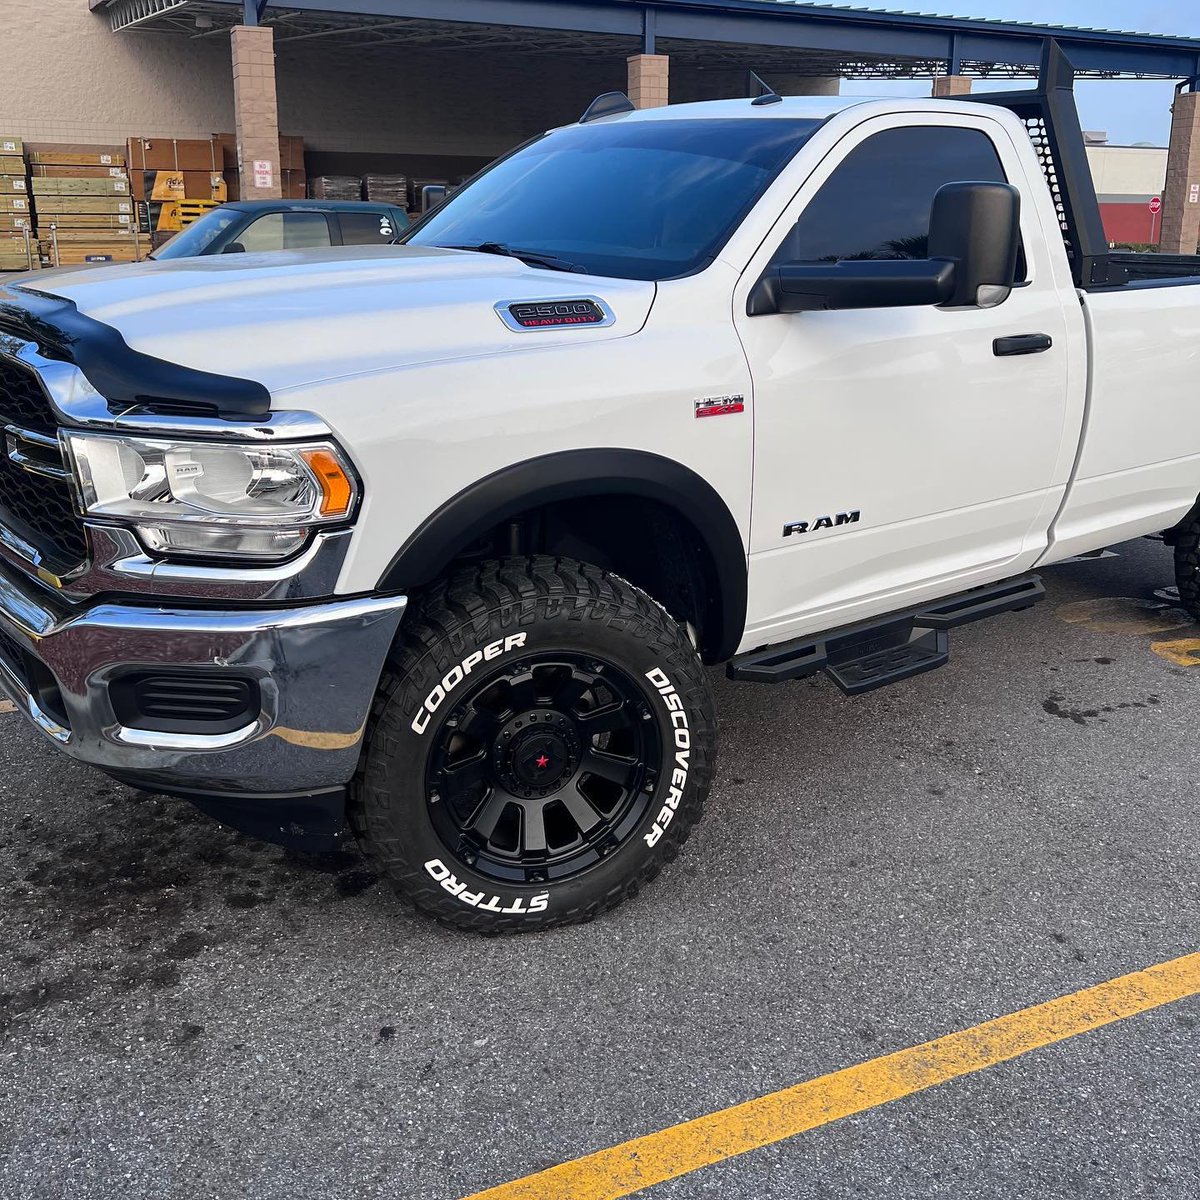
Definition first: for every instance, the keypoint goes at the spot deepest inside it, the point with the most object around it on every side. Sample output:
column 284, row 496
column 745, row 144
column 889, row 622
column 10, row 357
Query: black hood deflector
column 123, row 376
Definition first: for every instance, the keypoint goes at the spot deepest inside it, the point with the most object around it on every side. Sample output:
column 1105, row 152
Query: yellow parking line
column 627, row 1168
column 1183, row 652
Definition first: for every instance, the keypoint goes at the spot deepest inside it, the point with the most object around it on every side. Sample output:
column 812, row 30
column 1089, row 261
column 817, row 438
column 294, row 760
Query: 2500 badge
column 554, row 314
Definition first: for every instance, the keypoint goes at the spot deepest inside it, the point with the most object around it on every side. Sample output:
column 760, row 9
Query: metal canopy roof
column 774, row 35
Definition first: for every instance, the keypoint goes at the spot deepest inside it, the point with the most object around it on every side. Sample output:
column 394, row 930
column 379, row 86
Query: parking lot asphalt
column 186, row 1013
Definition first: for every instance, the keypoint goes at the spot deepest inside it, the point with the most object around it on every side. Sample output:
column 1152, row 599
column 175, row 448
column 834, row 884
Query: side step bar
column 872, row 654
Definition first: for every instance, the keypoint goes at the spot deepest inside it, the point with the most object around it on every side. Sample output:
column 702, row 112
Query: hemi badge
column 720, row 406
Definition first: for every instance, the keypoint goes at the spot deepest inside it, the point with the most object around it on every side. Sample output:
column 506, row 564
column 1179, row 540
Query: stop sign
column 1156, row 205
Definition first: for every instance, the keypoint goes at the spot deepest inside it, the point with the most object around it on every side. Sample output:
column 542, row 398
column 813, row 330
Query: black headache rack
column 1052, row 122
column 125, row 377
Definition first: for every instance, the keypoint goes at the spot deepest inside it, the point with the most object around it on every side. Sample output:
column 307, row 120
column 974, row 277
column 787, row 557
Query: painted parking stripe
column 640, row 1163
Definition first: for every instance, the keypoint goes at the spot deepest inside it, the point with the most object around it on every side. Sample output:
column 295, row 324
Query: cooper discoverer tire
column 541, row 744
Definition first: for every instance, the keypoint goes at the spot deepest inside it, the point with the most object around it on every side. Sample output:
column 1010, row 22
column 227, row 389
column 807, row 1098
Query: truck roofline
column 812, row 108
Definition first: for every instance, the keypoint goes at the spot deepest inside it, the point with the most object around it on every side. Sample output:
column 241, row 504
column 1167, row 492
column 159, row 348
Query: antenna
column 611, row 104
column 762, row 92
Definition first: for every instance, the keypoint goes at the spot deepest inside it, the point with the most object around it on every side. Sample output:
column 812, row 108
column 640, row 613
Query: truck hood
column 292, row 318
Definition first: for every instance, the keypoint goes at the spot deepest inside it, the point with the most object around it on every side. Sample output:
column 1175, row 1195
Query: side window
column 286, row 231
column 370, row 228
column 876, row 204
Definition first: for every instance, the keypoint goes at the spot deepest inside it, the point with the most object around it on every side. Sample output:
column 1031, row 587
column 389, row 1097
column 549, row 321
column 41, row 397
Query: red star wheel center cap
column 543, row 761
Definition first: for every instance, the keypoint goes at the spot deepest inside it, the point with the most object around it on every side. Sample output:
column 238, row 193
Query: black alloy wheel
column 541, row 773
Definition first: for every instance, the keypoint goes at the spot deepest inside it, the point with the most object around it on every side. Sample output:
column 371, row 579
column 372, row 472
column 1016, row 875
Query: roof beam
column 846, row 32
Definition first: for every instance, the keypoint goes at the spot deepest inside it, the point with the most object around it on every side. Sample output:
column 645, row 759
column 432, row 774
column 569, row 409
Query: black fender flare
column 571, row 474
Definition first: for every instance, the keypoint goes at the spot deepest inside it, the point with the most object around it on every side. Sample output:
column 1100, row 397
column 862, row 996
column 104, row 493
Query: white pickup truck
column 435, row 540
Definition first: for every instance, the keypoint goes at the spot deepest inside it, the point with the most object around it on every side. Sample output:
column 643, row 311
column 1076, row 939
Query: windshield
column 634, row 200
column 198, row 236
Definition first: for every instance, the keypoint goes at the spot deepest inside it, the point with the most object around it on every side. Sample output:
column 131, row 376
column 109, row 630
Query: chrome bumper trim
column 317, row 667
column 121, row 565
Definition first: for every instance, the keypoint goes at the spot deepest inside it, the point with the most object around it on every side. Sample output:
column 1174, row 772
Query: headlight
column 208, row 498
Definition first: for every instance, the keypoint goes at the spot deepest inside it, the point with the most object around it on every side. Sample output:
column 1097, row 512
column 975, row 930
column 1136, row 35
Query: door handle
column 1022, row 343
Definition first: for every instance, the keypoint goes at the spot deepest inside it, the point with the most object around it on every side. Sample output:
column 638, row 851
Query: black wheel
column 1187, row 565
column 541, row 745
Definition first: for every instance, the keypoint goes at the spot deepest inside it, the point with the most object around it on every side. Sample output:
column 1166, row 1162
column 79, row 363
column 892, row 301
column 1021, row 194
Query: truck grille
column 37, row 509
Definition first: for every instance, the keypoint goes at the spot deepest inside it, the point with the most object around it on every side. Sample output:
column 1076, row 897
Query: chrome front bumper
column 317, row 667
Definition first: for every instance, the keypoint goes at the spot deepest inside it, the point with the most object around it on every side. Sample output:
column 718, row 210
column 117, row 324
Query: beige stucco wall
column 1128, row 170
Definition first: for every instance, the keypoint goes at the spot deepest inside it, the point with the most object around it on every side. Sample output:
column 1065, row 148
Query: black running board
column 860, row 658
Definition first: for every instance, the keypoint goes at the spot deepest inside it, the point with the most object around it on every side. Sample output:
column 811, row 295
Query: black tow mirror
column 974, row 239
column 977, row 226
column 854, row 283
column 433, row 194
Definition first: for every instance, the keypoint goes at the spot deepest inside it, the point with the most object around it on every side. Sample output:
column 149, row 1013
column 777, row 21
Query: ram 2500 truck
column 436, row 540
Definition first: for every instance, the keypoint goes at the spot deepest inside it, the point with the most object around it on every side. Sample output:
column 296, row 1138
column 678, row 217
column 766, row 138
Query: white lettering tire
column 480, row 625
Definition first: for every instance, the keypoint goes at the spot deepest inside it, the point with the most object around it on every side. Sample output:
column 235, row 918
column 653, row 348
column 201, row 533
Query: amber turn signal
column 337, row 492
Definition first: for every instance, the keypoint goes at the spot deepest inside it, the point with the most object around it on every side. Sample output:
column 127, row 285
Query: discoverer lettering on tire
column 682, row 735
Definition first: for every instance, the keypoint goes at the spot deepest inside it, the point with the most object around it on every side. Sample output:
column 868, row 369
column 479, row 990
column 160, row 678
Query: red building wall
column 1133, row 222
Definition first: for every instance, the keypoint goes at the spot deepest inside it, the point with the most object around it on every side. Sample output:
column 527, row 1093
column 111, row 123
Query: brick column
column 951, row 85
column 1181, row 204
column 649, row 80
column 256, row 111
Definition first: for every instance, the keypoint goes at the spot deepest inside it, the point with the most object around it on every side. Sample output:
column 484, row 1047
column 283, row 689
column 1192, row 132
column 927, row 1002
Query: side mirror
column 853, row 283
column 432, row 195
column 977, row 226
column 974, row 239
column 234, row 248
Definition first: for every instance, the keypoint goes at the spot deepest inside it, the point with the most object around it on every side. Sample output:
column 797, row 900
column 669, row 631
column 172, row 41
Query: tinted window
column 369, row 228
column 285, row 231
column 199, row 235
column 876, row 204
column 635, row 199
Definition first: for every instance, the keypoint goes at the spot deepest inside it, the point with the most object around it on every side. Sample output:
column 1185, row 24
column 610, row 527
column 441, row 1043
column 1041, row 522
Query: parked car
column 254, row 226
column 436, row 539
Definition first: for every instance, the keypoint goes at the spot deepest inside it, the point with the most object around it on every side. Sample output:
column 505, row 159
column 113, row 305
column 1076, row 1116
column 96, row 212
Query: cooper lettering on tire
column 540, row 747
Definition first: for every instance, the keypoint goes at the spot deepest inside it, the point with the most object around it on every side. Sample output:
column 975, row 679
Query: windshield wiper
column 535, row 258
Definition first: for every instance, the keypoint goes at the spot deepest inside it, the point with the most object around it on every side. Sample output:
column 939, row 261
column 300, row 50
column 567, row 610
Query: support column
column 649, row 80
column 256, row 110
column 1181, row 195
column 945, row 86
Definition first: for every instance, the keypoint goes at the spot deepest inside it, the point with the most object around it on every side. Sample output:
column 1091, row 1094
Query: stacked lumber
column 82, row 203
column 336, row 187
column 387, row 189
column 18, row 251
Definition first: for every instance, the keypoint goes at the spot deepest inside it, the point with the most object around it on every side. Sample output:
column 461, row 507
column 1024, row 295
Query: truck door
column 901, row 454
